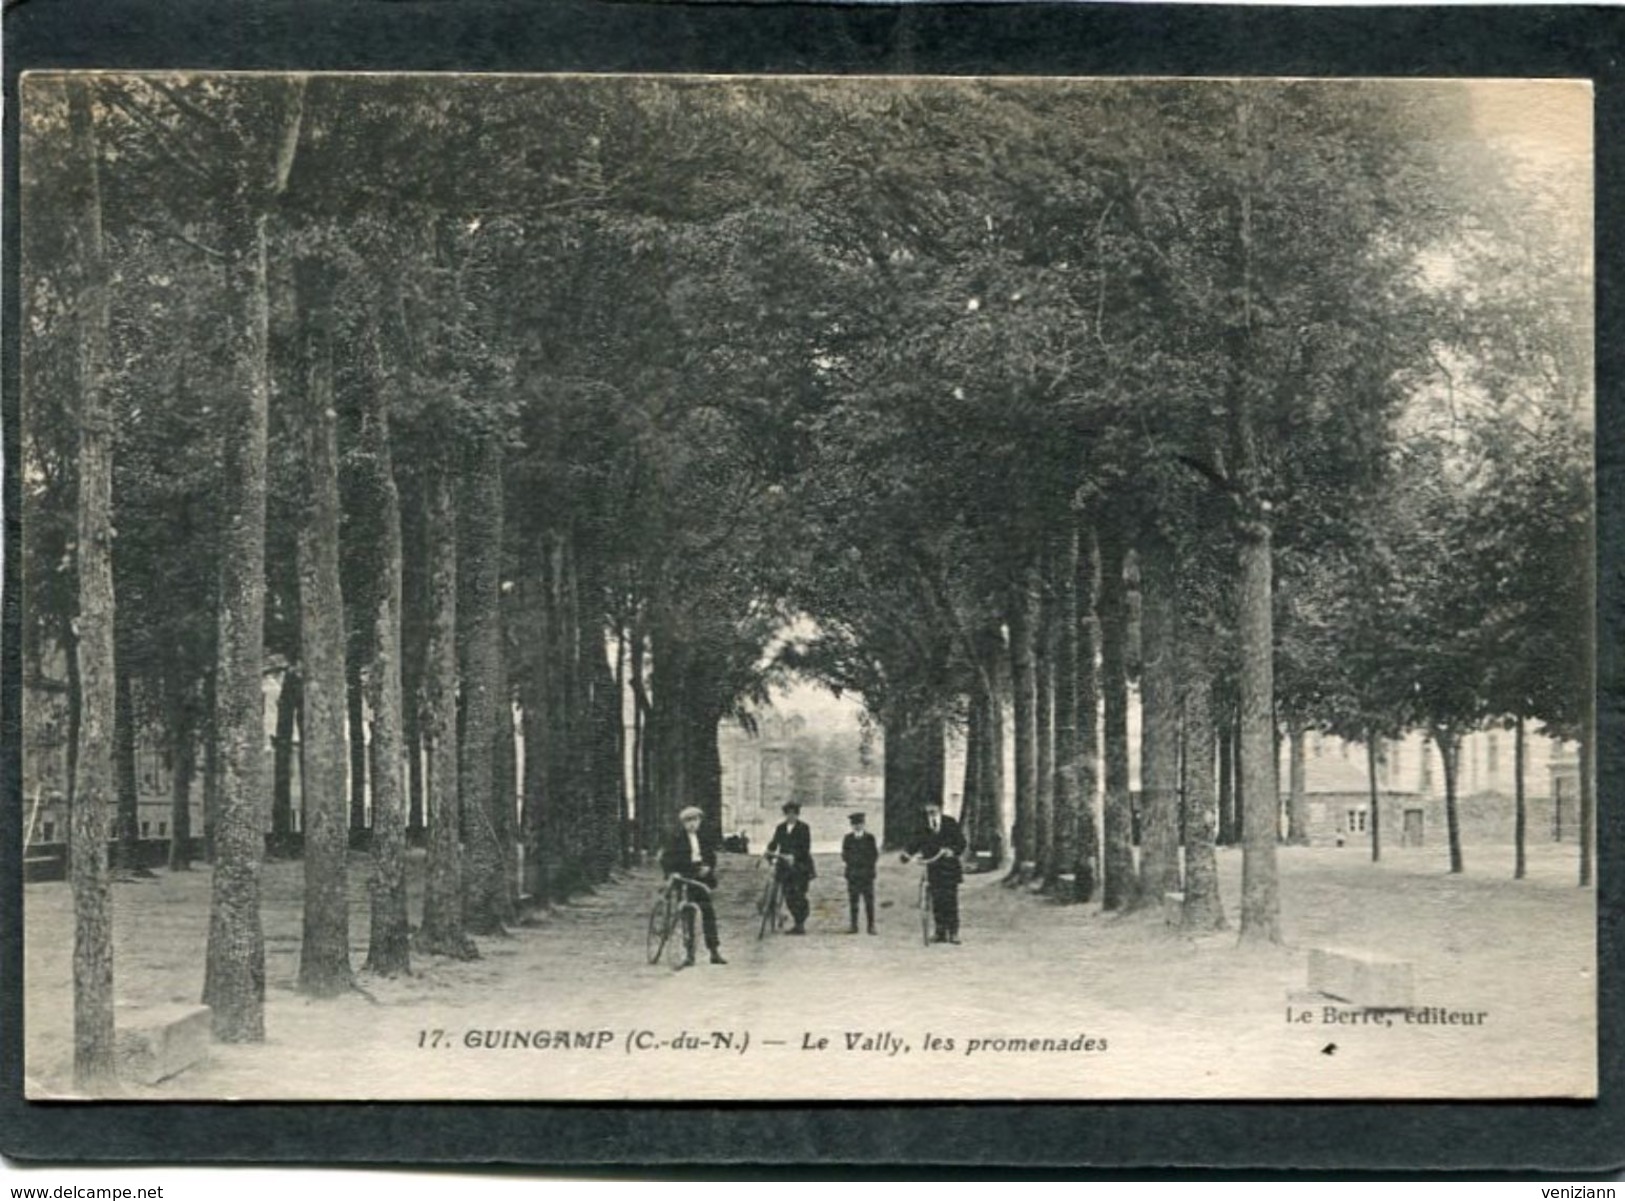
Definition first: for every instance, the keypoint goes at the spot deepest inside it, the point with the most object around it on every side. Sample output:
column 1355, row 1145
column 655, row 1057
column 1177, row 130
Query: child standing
column 860, row 854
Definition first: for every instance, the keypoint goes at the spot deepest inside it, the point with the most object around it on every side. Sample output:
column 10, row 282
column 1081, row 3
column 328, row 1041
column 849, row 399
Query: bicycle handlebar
column 705, row 888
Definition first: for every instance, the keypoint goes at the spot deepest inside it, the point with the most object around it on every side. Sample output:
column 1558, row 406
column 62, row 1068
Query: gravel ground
column 1108, row 1006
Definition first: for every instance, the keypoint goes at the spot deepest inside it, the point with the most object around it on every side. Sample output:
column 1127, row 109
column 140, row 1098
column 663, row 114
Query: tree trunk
column 1087, row 866
column 442, row 930
column 1449, row 743
column 971, row 785
column 479, row 629
column 183, row 763
column 324, row 954
column 1588, row 799
column 1260, row 886
column 1022, row 619
column 648, row 829
column 1376, row 801
column 1203, row 908
column 94, row 1067
column 287, row 707
column 234, row 981
column 1045, row 647
column 1120, row 885
column 1520, row 813
column 356, row 725
column 389, row 935
column 1227, row 778
column 127, row 830
column 1159, row 725
column 416, row 827
column 505, row 784
column 1061, row 877
column 1297, row 819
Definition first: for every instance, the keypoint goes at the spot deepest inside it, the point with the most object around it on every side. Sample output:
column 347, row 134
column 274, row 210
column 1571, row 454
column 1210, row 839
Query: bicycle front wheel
column 660, row 924
column 680, row 946
column 770, row 908
column 925, row 911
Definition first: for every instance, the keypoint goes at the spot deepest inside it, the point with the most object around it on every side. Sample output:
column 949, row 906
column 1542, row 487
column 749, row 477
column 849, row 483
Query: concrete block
column 1173, row 908
column 156, row 1042
column 1362, row 978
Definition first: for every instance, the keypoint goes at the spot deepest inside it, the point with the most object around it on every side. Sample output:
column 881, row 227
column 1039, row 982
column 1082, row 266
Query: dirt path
column 1040, row 1001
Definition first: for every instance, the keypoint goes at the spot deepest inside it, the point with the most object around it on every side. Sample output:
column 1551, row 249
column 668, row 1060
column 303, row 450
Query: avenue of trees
column 446, row 400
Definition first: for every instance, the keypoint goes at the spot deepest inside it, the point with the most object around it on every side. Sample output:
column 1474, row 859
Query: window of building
column 50, row 832
column 1427, row 766
column 163, row 829
column 1355, row 821
column 146, row 829
column 1492, row 755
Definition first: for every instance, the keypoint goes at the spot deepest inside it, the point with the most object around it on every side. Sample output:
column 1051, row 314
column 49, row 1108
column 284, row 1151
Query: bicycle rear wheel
column 660, row 924
column 926, row 911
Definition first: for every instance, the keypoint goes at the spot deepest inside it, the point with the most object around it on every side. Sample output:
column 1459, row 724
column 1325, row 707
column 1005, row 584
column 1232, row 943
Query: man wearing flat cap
column 859, row 854
column 791, row 850
column 692, row 853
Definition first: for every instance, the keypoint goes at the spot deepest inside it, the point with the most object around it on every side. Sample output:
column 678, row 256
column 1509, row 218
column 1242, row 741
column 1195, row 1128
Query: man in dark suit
column 941, row 842
column 692, row 853
column 792, row 845
column 860, row 855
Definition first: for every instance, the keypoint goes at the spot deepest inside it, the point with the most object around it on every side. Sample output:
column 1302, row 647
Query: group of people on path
column 692, row 855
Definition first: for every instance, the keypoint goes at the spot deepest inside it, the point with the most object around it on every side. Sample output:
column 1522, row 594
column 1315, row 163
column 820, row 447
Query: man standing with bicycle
column 791, row 850
column 940, row 842
column 692, row 853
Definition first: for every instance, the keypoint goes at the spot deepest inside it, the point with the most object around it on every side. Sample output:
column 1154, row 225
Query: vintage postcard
column 665, row 587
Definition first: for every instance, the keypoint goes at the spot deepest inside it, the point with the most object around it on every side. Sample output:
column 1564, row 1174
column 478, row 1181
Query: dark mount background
column 1126, row 39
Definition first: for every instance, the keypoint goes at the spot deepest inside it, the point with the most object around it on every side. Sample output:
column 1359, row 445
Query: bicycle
column 927, row 907
column 771, row 906
column 674, row 905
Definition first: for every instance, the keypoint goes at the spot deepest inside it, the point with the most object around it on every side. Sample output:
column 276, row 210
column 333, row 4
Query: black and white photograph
column 676, row 587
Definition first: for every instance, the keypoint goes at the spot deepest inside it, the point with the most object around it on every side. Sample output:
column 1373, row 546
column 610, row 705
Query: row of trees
column 440, row 397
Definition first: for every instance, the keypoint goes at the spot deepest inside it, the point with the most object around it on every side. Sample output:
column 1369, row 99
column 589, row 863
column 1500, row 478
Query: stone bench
column 1362, row 978
column 156, row 1042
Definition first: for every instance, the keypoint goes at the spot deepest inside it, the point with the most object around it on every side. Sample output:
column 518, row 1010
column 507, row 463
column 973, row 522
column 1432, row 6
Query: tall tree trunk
column 1022, row 619
column 356, row 726
column 1520, row 812
column 971, row 785
column 183, row 758
column 94, row 1066
column 1045, row 647
column 1376, row 800
column 1061, row 878
column 1260, row 887
column 1297, row 818
column 1120, row 887
column 1588, row 799
column 412, row 726
column 479, row 630
column 505, row 782
column 1449, row 743
column 1227, row 778
column 282, row 744
column 389, row 934
column 234, row 980
column 1159, row 725
column 324, row 954
column 127, row 829
column 441, row 932
column 1203, row 908
column 648, row 829
column 1088, row 594
column 234, row 975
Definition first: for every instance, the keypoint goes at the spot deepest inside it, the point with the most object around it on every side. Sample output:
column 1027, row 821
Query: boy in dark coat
column 792, row 843
column 860, row 853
